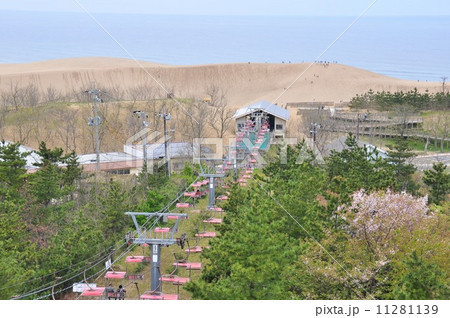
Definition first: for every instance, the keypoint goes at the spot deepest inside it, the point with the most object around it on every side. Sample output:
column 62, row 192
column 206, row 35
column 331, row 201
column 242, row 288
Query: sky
column 239, row 7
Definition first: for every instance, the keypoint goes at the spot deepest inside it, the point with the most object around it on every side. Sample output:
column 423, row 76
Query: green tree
column 357, row 168
column 49, row 156
column 73, row 169
column 398, row 155
column 439, row 182
column 250, row 259
column 114, row 204
column 46, row 184
column 12, row 169
column 421, row 280
column 15, row 249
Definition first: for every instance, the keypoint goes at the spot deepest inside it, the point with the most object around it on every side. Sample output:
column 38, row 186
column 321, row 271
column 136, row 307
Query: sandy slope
column 244, row 83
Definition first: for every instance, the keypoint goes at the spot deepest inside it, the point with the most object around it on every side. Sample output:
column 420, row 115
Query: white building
column 276, row 116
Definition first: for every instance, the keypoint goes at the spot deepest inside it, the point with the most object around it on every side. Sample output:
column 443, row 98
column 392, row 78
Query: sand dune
column 243, row 83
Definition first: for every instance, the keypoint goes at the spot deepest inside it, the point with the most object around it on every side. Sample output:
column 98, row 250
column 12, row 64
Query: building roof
column 265, row 106
column 104, row 157
column 156, row 151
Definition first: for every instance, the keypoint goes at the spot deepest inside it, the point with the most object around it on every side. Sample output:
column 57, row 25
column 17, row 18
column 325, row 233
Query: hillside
column 243, row 83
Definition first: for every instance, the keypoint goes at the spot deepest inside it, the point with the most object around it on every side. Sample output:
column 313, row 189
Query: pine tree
column 357, row 168
column 73, row 169
column 12, row 168
column 421, row 281
column 439, row 182
column 251, row 258
column 398, row 155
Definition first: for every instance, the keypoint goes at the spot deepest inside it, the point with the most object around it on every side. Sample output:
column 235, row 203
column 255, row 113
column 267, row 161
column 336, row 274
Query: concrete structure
column 276, row 116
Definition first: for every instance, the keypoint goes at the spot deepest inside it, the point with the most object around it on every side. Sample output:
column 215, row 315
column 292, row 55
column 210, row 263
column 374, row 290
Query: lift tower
column 208, row 170
column 156, row 238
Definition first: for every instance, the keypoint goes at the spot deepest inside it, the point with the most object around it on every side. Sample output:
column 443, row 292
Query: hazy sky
column 240, row 7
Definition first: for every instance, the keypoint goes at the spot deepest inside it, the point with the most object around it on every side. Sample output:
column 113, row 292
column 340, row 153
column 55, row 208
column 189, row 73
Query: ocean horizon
column 413, row 48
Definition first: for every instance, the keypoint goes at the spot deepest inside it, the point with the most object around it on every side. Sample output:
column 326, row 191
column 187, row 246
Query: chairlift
column 92, row 291
column 158, row 296
column 195, row 249
column 134, row 260
column 206, row 234
column 212, row 220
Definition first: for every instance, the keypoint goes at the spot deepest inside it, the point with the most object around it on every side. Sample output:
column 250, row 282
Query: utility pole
column 145, row 124
column 95, row 122
column 166, row 117
column 357, row 128
column 443, row 78
column 313, row 131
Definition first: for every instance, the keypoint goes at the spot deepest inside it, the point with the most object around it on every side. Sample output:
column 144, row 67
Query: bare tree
column 221, row 115
column 444, row 129
column 16, row 98
column 194, row 119
column 403, row 114
column 66, row 129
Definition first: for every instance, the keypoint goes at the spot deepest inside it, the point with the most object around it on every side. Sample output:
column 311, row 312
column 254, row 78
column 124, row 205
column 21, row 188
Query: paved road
column 426, row 162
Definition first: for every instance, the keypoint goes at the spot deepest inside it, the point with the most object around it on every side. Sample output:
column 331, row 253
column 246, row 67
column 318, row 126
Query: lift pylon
column 156, row 241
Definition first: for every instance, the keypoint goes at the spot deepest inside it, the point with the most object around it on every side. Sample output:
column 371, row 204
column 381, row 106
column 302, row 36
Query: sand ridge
column 243, row 83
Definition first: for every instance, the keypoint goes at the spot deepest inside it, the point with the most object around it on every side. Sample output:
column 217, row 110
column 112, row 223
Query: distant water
column 415, row 48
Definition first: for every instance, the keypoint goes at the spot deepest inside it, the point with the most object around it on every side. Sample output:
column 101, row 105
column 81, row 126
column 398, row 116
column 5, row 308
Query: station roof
column 265, row 106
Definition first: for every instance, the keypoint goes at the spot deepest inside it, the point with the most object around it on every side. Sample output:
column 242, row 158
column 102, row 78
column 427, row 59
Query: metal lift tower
column 209, row 171
column 165, row 237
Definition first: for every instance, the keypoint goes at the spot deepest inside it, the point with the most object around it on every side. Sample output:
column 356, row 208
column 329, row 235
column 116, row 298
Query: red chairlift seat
column 135, row 276
column 134, row 259
column 246, row 176
column 206, row 234
column 226, row 187
column 162, row 229
column 222, row 197
column 175, row 279
column 182, row 205
column 159, row 296
column 216, row 209
column 191, row 266
column 195, row 249
column 93, row 292
column 175, row 217
column 213, row 221
column 189, row 194
column 115, row 275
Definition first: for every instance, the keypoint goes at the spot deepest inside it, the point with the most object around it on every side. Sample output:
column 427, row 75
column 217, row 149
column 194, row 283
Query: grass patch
column 416, row 144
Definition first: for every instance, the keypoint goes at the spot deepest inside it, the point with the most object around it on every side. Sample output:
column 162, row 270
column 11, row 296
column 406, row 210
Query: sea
column 414, row 48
